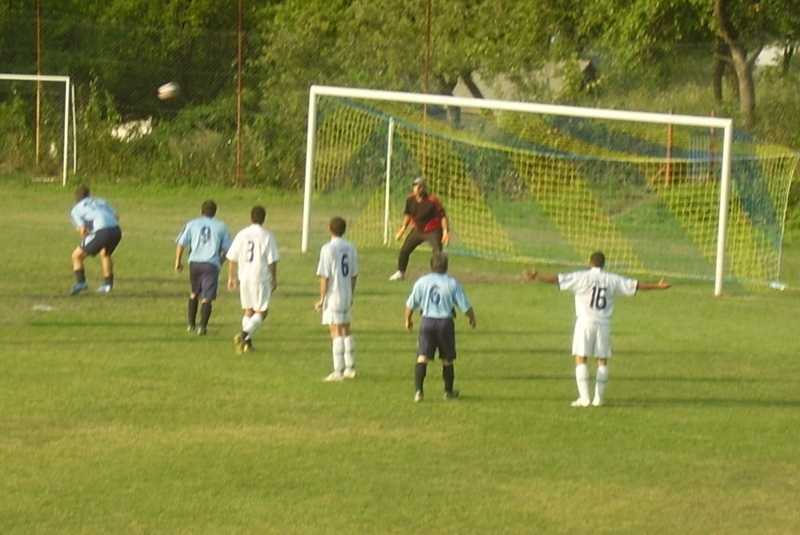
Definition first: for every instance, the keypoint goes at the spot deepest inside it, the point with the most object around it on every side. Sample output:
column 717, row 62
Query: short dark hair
column 258, row 214
column 209, row 208
column 81, row 193
column 337, row 226
column 439, row 262
column 597, row 259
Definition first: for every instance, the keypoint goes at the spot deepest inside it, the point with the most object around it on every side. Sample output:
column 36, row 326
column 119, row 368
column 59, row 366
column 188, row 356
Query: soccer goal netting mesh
column 551, row 189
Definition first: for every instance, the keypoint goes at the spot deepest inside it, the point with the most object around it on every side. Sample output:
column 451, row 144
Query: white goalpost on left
column 68, row 101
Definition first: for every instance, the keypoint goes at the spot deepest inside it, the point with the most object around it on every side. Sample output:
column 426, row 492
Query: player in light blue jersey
column 436, row 295
column 595, row 291
column 208, row 240
column 98, row 225
column 338, row 274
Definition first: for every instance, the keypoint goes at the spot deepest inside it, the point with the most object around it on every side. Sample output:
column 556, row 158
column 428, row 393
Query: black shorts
column 105, row 238
column 204, row 279
column 437, row 334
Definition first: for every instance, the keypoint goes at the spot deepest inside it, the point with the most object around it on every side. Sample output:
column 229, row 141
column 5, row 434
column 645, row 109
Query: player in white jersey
column 436, row 295
column 595, row 291
column 98, row 225
column 208, row 240
column 253, row 257
column 338, row 274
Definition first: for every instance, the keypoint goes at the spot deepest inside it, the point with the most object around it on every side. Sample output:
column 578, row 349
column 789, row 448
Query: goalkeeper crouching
column 426, row 215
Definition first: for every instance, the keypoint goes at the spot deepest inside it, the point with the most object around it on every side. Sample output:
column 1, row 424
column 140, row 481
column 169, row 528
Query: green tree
column 359, row 43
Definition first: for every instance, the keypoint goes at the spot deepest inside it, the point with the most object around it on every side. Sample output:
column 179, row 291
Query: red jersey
column 426, row 213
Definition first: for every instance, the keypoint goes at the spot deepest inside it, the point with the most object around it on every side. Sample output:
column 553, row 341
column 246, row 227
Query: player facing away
column 595, row 292
column 427, row 216
column 208, row 240
column 338, row 275
column 436, row 295
column 97, row 224
column 253, row 259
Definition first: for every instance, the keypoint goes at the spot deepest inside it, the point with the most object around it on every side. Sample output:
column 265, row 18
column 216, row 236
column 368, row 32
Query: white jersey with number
column 254, row 249
column 595, row 291
column 338, row 262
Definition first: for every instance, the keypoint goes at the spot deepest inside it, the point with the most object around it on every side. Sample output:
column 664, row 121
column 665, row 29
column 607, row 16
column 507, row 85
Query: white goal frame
column 68, row 99
column 725, row 124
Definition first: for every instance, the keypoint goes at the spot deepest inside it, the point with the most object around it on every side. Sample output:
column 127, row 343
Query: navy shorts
column 105, row 238
column 437, row 334
column 204, row 279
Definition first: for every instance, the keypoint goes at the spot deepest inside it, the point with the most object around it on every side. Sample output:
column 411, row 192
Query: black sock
column 205, row 313
column 419, row 375
column 80, row 275
column 109, row 280
column 192, row 308
column 449, row 376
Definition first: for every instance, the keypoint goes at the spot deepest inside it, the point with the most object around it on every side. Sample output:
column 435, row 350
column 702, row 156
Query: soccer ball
column 168, row 91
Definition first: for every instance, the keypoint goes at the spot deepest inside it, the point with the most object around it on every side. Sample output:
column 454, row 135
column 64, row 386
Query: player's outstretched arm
column 533, row 275
column 660, row 285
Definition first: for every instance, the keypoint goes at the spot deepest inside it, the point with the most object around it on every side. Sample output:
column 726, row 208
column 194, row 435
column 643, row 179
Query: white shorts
column 335, row 317
column 591, row 339
column 255, row 295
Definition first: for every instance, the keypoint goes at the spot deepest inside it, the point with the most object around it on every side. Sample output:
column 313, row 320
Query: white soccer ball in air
column 168, row 91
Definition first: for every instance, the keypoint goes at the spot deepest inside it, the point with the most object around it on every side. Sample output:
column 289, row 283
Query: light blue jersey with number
column 338, row 262
column 207, row 238
column 436, row 294
column 93, row 213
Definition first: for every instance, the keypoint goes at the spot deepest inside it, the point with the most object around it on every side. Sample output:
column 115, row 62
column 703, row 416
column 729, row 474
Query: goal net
column 34, row 123
column 660, row 195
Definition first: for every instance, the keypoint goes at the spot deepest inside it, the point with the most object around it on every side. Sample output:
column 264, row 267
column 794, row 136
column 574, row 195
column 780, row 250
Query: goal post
column 549, row 184
column 67, row 111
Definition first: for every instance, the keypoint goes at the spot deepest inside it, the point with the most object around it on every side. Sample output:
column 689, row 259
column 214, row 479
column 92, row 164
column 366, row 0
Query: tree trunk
column 721, row 59
column 742, row 65
column 474, row 90
column 786, row 59
column 747, row 91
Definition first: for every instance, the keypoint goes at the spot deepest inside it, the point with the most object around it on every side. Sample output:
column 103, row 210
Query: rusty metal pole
column 240, row 55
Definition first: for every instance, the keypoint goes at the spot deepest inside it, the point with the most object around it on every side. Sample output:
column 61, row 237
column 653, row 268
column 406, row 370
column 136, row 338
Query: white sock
column 252, row 324
column 245, row 321
column 600, row 383
column 582, row 379
column 337, row 345
column 349, row 352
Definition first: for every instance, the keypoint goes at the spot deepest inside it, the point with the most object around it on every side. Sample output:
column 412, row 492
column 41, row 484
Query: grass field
column 114, row 420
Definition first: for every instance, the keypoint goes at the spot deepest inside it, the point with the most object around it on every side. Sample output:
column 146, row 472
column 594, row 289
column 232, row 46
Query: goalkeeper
column 429, row 220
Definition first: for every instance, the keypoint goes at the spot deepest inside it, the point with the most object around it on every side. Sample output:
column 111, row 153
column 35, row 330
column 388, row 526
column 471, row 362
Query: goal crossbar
column 723, row 124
